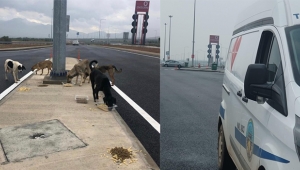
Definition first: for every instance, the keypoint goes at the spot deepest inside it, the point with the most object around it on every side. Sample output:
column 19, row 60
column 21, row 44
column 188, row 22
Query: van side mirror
column 255, row 83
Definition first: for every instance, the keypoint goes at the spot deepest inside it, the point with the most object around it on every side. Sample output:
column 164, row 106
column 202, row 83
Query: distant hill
column 22, row 28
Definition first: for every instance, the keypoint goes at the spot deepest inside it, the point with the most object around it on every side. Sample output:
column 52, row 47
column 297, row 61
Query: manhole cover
column 43, row 85
column 37, row 139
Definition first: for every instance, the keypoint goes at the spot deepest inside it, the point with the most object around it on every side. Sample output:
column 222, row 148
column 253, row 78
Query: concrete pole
column 194, row 34
column 59, row 38
column 165, row 44
column 170, row 38
column 100, row 29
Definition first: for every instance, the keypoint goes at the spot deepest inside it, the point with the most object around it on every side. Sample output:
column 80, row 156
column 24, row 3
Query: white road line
column 141, row 111
column 12, row 87
column 138, row 54
column 132, row 53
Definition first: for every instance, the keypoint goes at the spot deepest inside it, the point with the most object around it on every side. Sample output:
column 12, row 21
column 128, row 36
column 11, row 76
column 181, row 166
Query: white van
column 259, row 119
column 75, row 42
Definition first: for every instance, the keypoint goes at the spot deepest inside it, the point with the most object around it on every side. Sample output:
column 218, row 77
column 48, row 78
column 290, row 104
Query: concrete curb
column 13, row 86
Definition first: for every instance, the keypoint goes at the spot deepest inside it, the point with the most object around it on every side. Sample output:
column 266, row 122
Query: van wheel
column 224, row 160
column 166, row 65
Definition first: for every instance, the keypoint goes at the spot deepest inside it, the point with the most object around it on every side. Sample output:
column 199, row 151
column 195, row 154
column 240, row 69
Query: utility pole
column 170, row 37
column 51, row 24
column 59, row 39
column 193, row 34
column 100, row 29
column 165, row 44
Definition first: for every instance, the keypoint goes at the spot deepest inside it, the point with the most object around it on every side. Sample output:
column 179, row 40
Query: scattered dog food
column 120, row 154
column 103, row 107
column 67, row 84
column 24, row 89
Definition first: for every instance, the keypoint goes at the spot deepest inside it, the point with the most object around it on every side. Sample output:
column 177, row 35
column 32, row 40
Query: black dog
column 100, row 82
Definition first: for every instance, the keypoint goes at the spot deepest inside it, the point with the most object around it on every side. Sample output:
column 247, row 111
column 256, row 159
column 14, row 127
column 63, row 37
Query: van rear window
column 293, row 38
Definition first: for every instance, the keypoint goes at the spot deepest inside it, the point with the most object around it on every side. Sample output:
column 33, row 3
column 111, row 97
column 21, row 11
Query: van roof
column 280, row 13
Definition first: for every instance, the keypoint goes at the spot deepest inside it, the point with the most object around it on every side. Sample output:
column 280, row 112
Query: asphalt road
column 27, row 57
column 189, row 106
column 139, row 80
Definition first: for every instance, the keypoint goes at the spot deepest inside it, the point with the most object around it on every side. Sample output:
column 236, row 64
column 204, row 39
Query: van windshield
column 293, row 38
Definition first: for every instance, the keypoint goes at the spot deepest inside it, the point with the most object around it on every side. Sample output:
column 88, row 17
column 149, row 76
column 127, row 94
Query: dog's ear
column 23, row 68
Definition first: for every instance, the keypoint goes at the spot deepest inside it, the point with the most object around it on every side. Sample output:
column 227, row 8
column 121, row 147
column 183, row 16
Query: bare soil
column 18, row 45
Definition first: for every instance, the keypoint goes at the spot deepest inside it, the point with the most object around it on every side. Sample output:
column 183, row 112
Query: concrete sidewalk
column 74, row 135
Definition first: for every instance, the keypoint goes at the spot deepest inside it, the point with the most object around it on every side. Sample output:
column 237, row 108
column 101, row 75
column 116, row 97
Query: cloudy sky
column 213, row 17
column 85, row 14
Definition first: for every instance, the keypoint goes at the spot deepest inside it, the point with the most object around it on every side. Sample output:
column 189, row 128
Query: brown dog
column 41, row 65
column 80, row 69
column 111, row 69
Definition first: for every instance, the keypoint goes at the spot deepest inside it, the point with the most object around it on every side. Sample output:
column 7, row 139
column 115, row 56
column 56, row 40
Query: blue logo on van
column 250, row 139
column 297, row 15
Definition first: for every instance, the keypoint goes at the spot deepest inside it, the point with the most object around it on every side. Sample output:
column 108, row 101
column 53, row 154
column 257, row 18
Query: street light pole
column 165, row 43
column 51, row 24
column 170, row 37
column 193, row 34
column 100, row 29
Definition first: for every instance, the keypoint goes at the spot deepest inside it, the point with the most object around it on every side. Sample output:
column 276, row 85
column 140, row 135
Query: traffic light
column 217, row 51
column 209, row 51
column 145, row 23
column 134, row 23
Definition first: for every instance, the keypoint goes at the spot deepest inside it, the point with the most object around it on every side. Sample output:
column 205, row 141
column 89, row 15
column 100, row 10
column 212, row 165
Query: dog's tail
column 117, row 71
column 91, row 64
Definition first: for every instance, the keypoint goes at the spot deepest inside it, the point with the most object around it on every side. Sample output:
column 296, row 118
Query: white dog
column 13, row 67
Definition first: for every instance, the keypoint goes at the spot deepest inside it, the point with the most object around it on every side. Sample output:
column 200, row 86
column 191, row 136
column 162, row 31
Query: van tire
column 224, row 160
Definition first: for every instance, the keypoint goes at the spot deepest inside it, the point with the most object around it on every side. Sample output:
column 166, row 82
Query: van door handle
column 226, row 89
column 245, row 99
column 239, row 93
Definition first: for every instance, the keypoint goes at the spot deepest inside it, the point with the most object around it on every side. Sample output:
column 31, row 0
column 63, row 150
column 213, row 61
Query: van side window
column 264, row 47
column 269, row 54
column 274, row 60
